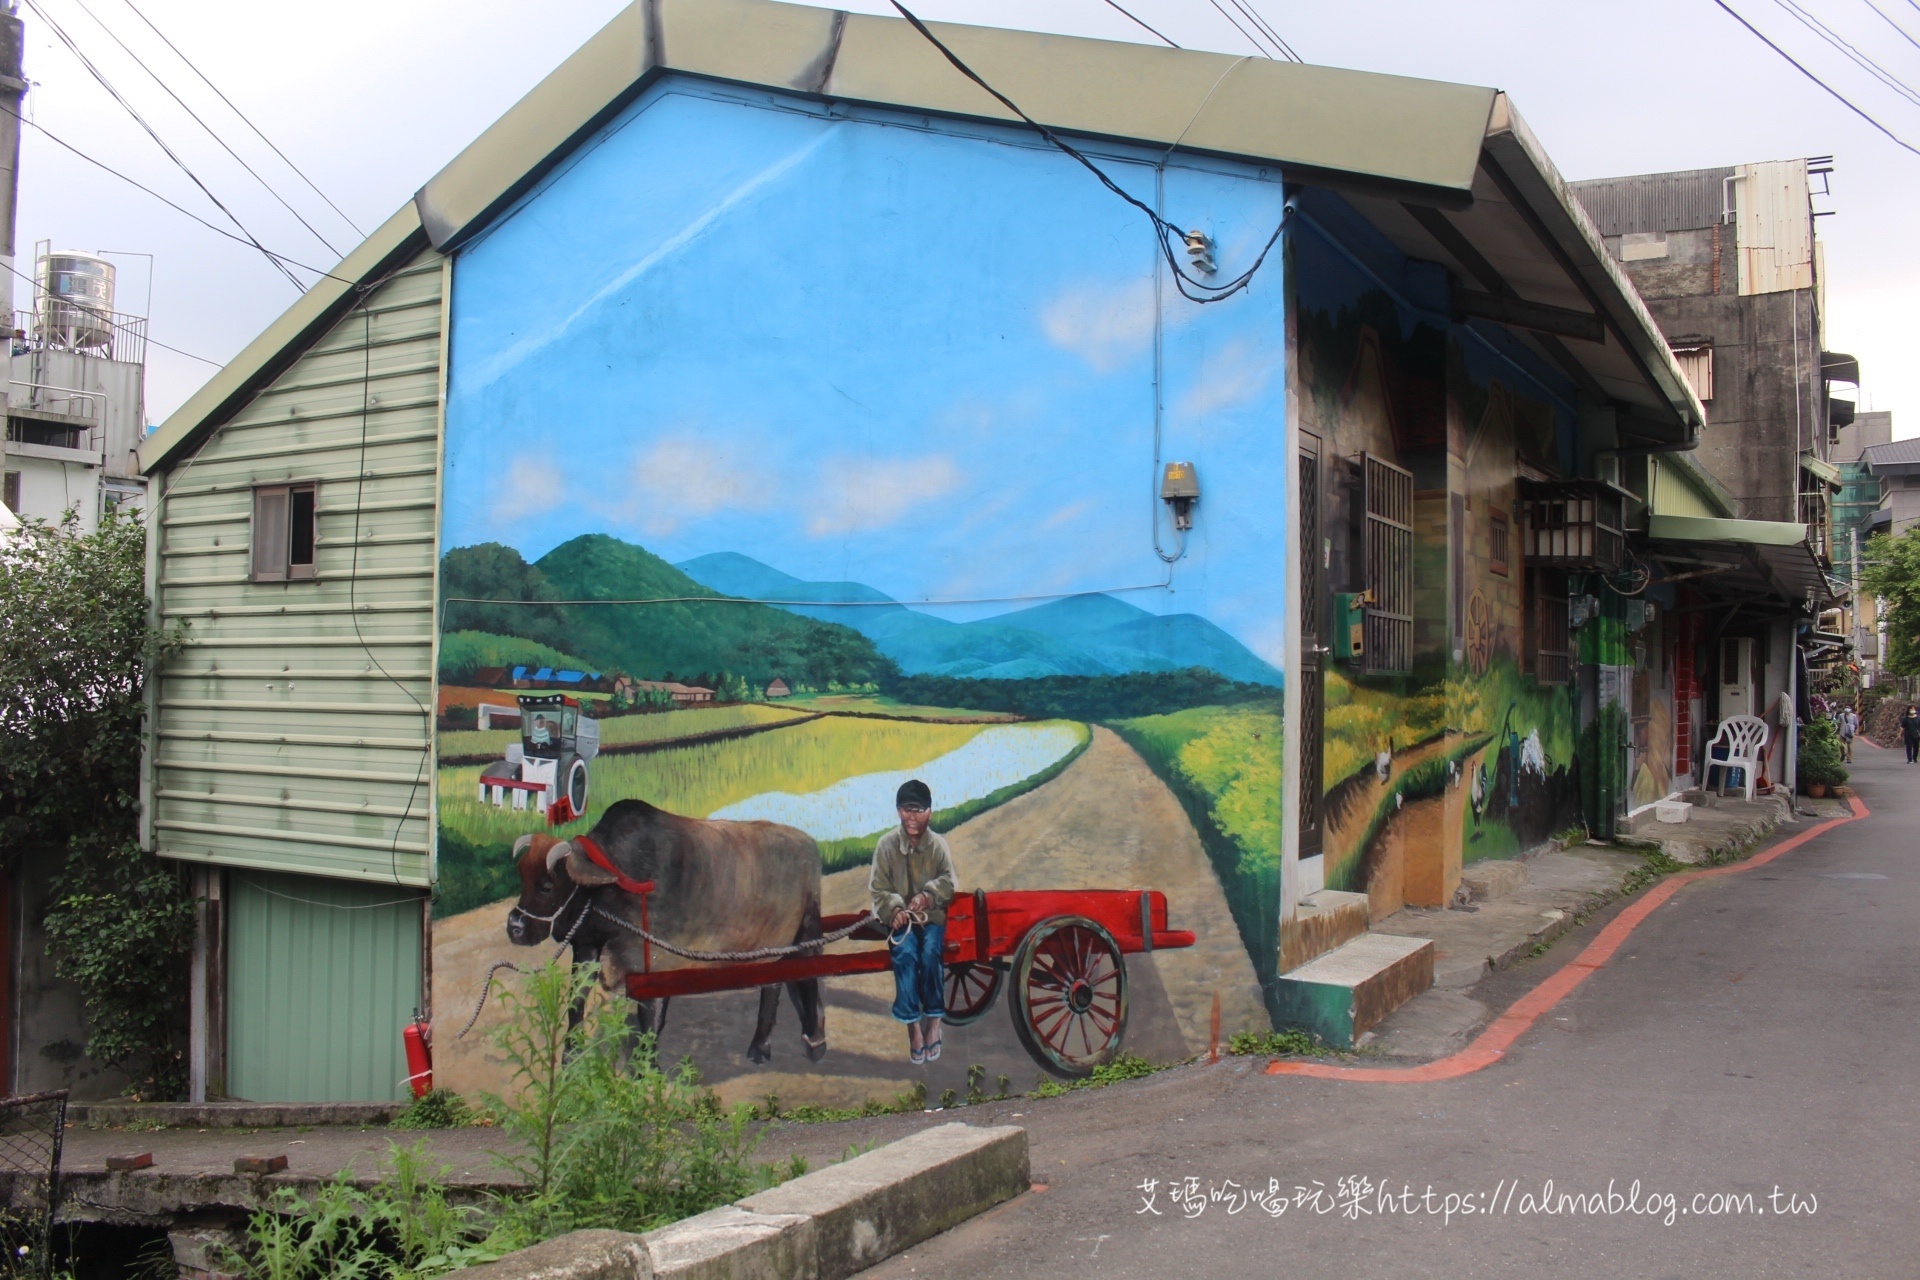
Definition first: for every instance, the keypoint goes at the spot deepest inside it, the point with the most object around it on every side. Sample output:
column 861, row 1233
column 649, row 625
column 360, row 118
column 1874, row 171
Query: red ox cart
column 1063, row 952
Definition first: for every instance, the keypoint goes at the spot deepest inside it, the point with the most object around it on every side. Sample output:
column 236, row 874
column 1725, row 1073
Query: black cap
column 913, row 794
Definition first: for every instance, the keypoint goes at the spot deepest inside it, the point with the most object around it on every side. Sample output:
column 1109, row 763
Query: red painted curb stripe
column 1490, row 1045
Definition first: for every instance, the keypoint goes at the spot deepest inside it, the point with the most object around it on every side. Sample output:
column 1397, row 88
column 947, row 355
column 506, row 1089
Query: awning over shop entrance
column 1770, row 559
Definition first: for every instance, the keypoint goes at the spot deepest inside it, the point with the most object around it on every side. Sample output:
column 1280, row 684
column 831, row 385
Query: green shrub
column 437, row 1109
column 1818, row 760
column 1273, row 1043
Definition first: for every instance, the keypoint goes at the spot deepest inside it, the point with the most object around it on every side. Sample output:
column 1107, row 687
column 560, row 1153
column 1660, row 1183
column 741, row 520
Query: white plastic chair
column 1744, row 739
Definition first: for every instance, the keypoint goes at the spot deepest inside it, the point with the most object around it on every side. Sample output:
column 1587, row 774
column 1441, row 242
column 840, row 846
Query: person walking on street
column 1910, row 731
column 1848, row 723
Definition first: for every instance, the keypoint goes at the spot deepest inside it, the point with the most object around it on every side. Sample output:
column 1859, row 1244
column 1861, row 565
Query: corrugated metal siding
column 1654, row 202
column 1674, row 494
column 322, row 976
column 294, row 731
column 1775, row 227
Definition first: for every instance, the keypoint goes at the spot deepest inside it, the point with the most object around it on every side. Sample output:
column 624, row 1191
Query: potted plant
column 1818, row 761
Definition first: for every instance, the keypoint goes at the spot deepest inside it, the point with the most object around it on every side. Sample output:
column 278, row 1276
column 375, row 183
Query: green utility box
column 1350, row 625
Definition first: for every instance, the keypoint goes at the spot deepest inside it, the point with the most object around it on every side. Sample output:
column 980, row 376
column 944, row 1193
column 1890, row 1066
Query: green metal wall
column 322, row 977
column 294, row 730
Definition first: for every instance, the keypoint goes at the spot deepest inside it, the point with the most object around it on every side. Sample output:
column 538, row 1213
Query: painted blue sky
column 912, row 354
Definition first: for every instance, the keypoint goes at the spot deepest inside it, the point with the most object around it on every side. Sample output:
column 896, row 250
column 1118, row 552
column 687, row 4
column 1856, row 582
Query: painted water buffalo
column 719, row 887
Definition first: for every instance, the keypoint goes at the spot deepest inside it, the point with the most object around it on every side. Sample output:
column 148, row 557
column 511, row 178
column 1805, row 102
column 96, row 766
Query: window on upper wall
column 1499, row 541
column 10, row 492
column 283, row 532
column 1547, row 629
column 1696, row 366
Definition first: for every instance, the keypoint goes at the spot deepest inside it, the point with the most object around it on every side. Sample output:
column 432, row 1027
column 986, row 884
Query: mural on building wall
column 1466, row 755
column 801, row 471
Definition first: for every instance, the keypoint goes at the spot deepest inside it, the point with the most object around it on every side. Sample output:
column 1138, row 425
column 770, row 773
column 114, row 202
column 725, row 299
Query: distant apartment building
column 1729, row 262
column 76, row 396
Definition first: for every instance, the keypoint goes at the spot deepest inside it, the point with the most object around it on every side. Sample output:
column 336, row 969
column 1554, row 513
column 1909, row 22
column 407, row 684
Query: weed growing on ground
column 914, row 1099
column 436, row 1109
column 1656, row 865
column 1273, row 1044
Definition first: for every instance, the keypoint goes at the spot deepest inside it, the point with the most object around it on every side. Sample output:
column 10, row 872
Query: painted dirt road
column 1106, row 822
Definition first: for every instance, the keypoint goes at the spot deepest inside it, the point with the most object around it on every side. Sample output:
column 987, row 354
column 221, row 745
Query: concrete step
column 1324, row 920
column 1492, row 879
column 1343, row 993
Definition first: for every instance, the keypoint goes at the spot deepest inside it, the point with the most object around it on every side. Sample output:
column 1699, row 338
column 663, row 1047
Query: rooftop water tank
column 76, row 300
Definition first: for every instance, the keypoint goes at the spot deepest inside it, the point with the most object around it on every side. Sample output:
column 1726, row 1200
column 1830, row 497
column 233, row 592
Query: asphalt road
column 1756, row 1033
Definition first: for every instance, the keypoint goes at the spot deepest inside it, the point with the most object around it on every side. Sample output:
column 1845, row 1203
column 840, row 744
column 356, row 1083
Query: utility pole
column 13, row 87
column 1853, row 605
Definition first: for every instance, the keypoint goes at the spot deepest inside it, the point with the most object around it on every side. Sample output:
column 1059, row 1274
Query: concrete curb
column 230, row 1115
column 823, row 1226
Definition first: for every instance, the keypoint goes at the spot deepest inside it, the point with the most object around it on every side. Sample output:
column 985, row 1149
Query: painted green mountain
column 1085, row 635
column 674, row 633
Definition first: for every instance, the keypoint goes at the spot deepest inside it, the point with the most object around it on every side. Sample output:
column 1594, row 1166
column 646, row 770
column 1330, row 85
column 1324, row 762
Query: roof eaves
column 1519, row 157
column 1418, row 138
column 394, row 242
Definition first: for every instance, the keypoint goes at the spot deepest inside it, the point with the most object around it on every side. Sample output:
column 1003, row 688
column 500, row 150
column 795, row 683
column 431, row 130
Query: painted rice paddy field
column 873, row 704
column 831, row 776
column 615, row 731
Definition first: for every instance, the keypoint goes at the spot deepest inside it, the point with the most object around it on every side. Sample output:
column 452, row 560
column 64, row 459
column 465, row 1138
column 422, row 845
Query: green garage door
column 322, row 977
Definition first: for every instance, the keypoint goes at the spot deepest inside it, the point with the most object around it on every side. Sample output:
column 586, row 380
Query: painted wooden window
column 283, row 532
column 1499, row 541
column 1388, row 547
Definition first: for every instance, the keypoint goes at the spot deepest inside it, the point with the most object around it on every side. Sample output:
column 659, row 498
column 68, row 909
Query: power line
column 240, row 160
column 124, row 328
column 139, row 119
column 244, row 118
column 1890, row 22
column 1837, row 96
column 1255, row 16
column 1164, row 231
column 180, row 209
column 1138, row 23
column 1234, row 23
column 1859, row 59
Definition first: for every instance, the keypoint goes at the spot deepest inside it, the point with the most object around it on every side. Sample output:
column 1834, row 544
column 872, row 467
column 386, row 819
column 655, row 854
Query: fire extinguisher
column 419, row 1040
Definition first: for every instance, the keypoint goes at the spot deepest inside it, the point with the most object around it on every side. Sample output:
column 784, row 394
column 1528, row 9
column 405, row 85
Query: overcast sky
column 370, row 97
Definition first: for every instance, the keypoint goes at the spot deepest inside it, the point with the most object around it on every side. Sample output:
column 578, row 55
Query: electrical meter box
column 1350, row 625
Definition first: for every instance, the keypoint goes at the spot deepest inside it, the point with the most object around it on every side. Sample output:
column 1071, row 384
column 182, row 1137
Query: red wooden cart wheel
column 1069, row 997
column 971, row 991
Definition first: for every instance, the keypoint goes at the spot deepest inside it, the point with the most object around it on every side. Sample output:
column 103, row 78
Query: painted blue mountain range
column 1084, row 635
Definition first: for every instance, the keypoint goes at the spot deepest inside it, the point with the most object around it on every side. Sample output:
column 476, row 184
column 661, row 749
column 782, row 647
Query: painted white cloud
column 1105, row 325
column 531, row 485
column 1235, row 374
column 681, row 478
column 858, row 494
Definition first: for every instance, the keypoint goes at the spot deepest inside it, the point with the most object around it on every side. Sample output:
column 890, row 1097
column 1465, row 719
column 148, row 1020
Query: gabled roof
column 1405, row 150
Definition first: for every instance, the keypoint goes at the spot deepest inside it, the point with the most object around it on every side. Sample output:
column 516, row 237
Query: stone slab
column 1344, row 993
column 731, row 1243
column 578, row 1255
column 1325, row 919
column 877, row 1204
column 1492, row 879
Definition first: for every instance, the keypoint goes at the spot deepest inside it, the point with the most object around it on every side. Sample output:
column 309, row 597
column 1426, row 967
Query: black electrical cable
column 1835, row 93
column 166, row 88
column 1254, row 16
column 1847, row 50
column 244, row 118
column 1890, row 22
column 172, row 155
column 133, row 182
column 1244, row 33
column 1138, row 23
column 1165, row 231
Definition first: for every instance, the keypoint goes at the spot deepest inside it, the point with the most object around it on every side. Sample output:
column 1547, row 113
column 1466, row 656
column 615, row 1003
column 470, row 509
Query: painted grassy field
column 1225, row 764
column 615, row 731
column 874, row 704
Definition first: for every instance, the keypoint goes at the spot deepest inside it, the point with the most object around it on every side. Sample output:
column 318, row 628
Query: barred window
column 1552, row 638
column 1499, row 541
column 1388, row 546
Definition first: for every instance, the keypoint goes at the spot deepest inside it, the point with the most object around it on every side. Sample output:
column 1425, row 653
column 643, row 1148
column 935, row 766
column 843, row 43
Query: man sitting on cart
column 911, row 884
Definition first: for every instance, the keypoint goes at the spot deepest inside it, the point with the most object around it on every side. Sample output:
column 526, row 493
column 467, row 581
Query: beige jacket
column 901, row 870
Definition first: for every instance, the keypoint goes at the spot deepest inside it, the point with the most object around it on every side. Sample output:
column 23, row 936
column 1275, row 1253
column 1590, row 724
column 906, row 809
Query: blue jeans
column 919, row 976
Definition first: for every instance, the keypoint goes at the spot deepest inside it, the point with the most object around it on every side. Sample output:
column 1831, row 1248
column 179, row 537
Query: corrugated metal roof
column 1676, row 201
column 1900, row 453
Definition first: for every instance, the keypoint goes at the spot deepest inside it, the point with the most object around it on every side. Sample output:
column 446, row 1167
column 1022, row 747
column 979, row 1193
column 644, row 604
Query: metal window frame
column 282, row 569
column 1387, row 552
column 1551, row 665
